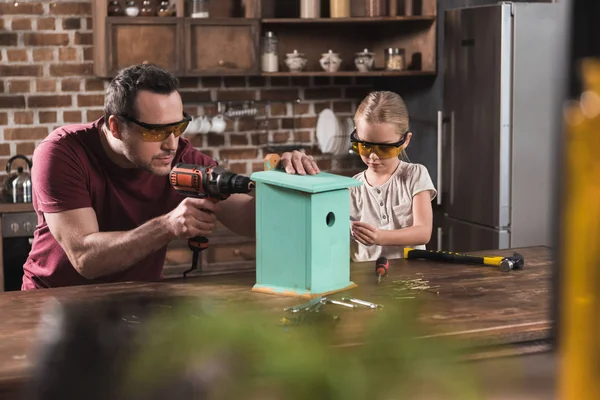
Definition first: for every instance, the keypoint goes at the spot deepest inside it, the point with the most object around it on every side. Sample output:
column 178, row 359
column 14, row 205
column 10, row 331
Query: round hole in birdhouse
column 330, row 219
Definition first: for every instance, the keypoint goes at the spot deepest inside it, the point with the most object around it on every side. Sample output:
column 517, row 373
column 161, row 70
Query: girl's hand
column 366, row 234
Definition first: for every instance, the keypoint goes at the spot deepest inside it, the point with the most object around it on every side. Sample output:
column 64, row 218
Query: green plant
column 229, row 353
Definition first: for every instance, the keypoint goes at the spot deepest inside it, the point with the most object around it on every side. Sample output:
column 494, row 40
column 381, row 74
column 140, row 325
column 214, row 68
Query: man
column 106, row 210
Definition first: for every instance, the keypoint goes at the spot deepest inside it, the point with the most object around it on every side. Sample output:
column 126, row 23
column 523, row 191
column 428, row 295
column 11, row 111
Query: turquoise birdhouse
column 302, row 233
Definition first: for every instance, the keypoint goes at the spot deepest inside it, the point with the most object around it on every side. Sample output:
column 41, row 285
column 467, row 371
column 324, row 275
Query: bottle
column 269, row 58
column 200, row 9
column 393, row 9
column 408, row 8
column 310, row 8
column 339, row 8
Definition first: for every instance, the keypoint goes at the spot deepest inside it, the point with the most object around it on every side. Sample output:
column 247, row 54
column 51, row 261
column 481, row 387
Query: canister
column 339, row 8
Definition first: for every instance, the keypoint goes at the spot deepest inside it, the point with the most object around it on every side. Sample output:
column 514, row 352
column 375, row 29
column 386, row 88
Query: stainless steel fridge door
column 477, row 101
column 460, row 236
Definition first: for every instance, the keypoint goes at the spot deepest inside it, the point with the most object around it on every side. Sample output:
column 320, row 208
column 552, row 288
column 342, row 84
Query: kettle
column 17, row 187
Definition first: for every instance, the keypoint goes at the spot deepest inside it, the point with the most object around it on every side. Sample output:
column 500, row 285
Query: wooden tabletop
column 478, row 303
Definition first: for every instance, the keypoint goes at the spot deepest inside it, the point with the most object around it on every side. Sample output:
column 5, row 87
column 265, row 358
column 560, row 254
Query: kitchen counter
column 15, row 207
column 494, row 313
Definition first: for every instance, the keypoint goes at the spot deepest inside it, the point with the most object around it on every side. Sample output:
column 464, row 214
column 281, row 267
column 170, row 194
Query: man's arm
column 238, row 213
column 94, row 254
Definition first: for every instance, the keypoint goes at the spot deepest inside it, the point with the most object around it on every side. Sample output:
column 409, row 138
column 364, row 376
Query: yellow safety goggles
column 160, row 132
column 381, row 150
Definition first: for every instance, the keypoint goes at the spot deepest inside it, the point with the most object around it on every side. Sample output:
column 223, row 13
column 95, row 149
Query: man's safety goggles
column 160, row 132
column 381, row 150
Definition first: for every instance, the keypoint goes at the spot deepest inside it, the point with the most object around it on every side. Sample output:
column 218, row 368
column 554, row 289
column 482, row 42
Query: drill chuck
column 208, row 181
column 240, row 184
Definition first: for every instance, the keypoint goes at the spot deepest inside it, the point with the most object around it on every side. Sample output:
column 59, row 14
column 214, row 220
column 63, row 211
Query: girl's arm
column 417, row 234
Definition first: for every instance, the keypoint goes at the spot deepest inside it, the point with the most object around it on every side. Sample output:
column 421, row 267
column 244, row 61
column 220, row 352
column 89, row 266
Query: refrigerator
column 503, row 67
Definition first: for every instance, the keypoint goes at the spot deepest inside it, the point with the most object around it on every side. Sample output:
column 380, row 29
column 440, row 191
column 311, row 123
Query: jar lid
column 394, row 51
column 270, row 34
column 329, row 53
column 295, row 54
column 365, row 52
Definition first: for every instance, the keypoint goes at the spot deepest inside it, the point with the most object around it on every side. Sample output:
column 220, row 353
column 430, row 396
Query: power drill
column 212, row 182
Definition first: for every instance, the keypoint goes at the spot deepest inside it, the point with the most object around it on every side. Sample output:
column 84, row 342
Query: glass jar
column 200, row 9
column 270, row 51
column 339, row 8
column 147, row 9
column 394, row 59
column 374, row 8
column 132, row 9
column 114, row 8
column 310, row 8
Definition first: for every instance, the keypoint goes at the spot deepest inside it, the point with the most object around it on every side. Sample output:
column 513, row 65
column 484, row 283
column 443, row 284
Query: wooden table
column 498, row 313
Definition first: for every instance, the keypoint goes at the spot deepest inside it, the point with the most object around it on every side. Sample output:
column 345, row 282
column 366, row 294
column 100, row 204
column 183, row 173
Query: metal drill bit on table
column 306, row 306
column 340, row 303
column 362, row 302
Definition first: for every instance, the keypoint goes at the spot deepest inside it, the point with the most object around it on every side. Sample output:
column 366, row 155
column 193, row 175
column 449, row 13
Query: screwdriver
column 381, row 268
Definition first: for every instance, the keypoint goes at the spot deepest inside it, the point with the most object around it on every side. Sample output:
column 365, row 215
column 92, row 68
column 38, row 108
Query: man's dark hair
column 122, row 90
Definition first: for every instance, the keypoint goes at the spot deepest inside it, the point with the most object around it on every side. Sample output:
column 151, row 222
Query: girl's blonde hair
column 385, row 107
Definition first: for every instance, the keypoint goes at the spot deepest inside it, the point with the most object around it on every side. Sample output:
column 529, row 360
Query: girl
column 392, row 207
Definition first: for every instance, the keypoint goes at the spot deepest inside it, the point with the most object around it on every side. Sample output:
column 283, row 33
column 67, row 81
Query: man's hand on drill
column 192, row 217
column 296, row 162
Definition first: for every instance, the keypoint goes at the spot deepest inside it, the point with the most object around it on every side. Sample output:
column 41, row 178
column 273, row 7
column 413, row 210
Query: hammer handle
column 446, row 256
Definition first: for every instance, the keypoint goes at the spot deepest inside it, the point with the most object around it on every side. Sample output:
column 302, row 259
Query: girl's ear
column 407, row 135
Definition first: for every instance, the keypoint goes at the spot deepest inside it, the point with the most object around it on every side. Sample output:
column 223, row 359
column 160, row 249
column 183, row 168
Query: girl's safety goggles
column 381, row 150
column 160, row 132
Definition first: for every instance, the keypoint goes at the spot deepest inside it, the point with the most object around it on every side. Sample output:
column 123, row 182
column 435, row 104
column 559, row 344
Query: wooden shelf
column 164, row 20
column 121, row 19
column 228, row 43
column 351, row 73
column 353, row 20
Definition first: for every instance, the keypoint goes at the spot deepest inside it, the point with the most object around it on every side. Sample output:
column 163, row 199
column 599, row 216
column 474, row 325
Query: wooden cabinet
column 138, row 40
column 221, row 47
column 227, row 43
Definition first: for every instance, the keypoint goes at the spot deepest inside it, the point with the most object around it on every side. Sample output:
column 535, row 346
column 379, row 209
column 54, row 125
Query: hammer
column 505, row 264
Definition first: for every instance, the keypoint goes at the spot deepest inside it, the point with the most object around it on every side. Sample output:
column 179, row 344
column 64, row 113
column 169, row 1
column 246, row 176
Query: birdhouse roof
column 321, row 182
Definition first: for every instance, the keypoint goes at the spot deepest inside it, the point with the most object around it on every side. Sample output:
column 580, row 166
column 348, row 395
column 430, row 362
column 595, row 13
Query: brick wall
column 46, row 80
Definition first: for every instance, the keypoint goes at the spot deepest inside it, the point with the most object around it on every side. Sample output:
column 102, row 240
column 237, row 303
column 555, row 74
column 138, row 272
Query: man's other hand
column 296, row 162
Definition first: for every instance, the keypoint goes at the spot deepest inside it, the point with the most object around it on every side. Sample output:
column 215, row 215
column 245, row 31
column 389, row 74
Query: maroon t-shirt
column 72, row 170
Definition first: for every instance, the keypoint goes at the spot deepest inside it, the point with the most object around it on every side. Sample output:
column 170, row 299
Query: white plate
column 338, row 136
column 327, row 128
column 349, row 129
